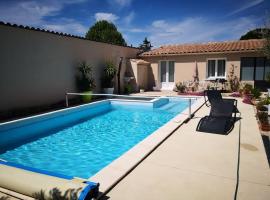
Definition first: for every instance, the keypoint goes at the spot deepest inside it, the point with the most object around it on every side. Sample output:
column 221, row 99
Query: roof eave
column 202, row 53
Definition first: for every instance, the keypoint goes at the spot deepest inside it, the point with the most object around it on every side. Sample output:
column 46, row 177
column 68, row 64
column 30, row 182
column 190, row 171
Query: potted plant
column 128, row 88
column 180, row 87
column 261, row 106
column 108, row 78
column 85, row 81
column 141, row 89
column 246, row 91
column 256, row 94
column 263, row 121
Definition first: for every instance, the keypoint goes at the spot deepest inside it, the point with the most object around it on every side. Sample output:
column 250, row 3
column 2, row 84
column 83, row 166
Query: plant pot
column 87, row 98
column 108, row 90
column 264, row 126
column 141, row 90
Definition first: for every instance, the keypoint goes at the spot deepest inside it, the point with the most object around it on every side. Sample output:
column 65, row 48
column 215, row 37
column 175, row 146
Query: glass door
column 167, row 75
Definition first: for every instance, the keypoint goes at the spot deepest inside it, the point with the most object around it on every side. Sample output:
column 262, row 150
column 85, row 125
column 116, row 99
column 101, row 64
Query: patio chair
column 220, row 120
column 215, row 95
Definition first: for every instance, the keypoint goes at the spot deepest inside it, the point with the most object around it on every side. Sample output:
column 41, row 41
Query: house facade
column 210, row 61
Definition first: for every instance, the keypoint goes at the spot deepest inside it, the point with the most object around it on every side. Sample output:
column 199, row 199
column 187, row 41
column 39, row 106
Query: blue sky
column 163, row 22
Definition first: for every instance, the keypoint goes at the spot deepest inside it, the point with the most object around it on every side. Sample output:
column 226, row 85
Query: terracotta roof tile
column 211, row 47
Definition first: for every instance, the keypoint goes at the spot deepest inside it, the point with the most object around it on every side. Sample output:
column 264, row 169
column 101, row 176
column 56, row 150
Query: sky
column 163, row 22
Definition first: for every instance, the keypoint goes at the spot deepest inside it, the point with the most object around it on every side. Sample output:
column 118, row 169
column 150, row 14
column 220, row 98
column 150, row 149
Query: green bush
column 260, row 106
column 266, row 101
column 180, row 87
column 128, row 89
column 109, row 74
column 84, row 79
column 263, row 117
column 256, row 93
column 247, row 88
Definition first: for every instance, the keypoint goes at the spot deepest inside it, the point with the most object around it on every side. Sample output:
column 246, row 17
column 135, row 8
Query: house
column 214, row 60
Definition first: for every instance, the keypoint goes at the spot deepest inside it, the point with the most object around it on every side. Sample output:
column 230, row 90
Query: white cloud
column 198, row 29
column 32, row 12
column 246, row 6
column 67, row 26
column 129, row 18
column 106, row 16
column 137, row 30
column 121, row 3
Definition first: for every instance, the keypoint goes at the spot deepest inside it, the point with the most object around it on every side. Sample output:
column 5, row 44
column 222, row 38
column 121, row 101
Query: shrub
column 247, row 100
column 263, row 117
column 84, row 79
column 180, row 87
column 256, row 93
column 260, row 106
column 233, row 80
column 247, row 88
column 235, row 94
column 109, row 74
column 127, row 89
column 266, row 101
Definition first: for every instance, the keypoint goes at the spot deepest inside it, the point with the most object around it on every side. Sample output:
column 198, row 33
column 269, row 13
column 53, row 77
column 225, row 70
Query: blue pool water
column 83, row 149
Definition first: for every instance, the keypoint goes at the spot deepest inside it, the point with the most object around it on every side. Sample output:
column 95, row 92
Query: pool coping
column 113, row 173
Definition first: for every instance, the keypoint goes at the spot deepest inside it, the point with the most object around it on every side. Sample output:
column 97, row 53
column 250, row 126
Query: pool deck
column 194, row 165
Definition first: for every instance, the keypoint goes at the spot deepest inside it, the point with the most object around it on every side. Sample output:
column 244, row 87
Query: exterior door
column 167, row 75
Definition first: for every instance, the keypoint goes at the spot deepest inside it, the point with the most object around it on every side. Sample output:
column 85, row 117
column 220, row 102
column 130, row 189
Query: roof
column 55, row 33
column 205, row 48
column 139, row 61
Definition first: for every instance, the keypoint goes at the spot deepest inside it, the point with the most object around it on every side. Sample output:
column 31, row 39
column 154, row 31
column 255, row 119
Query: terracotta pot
column 264, row 127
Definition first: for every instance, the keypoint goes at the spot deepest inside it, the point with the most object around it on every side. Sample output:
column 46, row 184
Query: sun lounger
column 220, row 120
column 215, row 96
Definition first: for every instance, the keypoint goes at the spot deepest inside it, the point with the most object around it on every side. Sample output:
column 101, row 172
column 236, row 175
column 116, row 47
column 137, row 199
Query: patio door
column 167, row 75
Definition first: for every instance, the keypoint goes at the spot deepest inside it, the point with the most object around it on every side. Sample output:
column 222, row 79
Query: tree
column 146, row 45
column 103, row 31
column 257, row 33
column 266, row 47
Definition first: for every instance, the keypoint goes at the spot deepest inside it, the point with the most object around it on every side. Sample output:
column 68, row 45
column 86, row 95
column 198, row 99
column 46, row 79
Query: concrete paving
column 194, row 165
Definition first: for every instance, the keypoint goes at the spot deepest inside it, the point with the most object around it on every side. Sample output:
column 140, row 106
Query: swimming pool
column 80, row 142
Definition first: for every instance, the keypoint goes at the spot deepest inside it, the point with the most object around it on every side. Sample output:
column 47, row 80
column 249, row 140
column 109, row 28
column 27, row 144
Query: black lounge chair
column 215, row 95
column 221, row 119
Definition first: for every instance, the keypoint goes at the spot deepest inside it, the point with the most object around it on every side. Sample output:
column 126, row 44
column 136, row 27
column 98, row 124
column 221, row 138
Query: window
column 254, row 68
column 259, row 72
column 216, row 68
column 247, row 69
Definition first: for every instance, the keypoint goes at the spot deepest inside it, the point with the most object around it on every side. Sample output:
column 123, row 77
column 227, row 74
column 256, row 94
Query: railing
column 128, row 96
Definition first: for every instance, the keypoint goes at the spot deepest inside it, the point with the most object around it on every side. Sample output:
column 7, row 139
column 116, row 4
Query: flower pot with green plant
column 261, row 106
column 107, row 80
column 85, row 81
column 263, row 121
column 256, row 94
column 247, row 95
column 128, row 88
column 268, row 80
column 180, row 87
column 141, row 89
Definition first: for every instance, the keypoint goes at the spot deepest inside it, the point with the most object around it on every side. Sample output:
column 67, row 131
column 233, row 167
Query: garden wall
column 38, row 68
